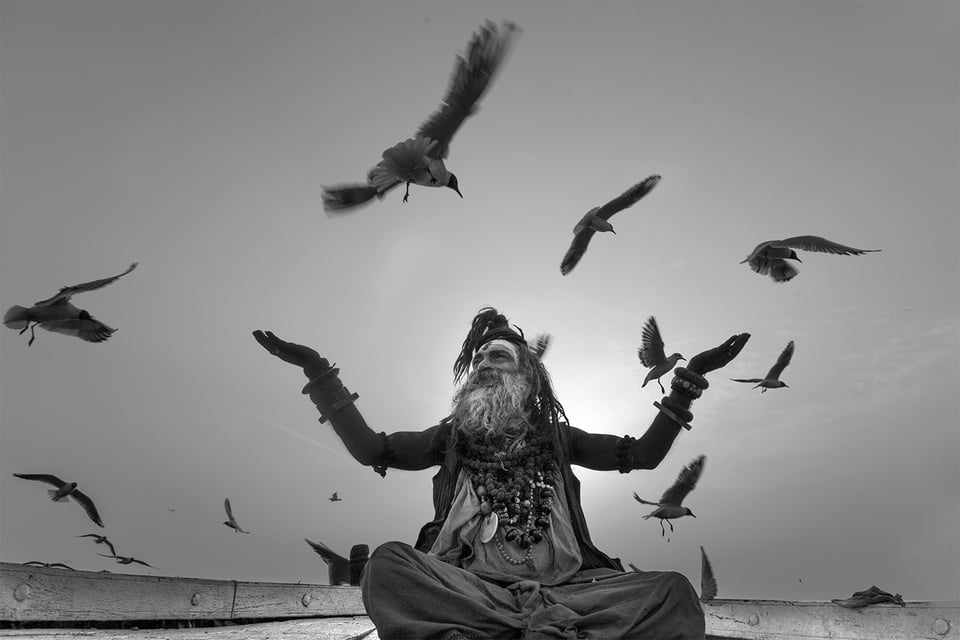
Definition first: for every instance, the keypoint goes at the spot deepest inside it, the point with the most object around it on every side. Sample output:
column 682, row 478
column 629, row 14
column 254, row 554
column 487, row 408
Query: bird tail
column 17, row 317
column 782, row 271
column 53, row 496
column 346, row 196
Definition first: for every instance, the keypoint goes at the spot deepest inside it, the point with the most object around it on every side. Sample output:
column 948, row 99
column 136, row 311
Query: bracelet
column 685, row 388
column 385, row 457
column 692, row 377
column 670, row 414
column 623, row 452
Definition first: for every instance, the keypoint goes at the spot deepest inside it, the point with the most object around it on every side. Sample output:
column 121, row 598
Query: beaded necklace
column 515, row 482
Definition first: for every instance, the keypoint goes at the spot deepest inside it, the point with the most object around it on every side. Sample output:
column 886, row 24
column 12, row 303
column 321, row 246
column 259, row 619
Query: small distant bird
column 420, row 160
column 770, row 257
column 335, row 497
column 58, row 565
column 652, row 355
column 669, row 507
column 598, row 219
column 231, row 521
column 64, row 491
column 708, row 583
column 58, row 314
column 127, row 560
column 100, row 540
column 772, row 379
column 540, row 345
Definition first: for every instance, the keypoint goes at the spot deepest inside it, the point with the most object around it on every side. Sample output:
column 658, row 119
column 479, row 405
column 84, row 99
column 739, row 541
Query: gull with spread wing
column 231, row 521
column 420, row 159
column 97, row 538
column 653, row 356
column 56, row 313
column 770, row 257
column 64, row 491
column 598, row 219
column 669, row 506
column 127, row 560
column 772, row 379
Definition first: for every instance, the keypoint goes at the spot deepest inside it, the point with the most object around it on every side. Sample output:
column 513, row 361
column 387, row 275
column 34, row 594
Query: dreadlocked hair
column 489, row 324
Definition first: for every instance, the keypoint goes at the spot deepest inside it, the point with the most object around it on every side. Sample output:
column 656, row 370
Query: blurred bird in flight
column 772, row 379
column 708, row 583
column 598, row 219
column 127, row 560
column 420, row 160
column 653, row 356
column 770, row 257
column 56, row 313
column 231, row 521
column 669, row 506
column 338, row 567
column 64, row 491
column 335, row 497
column 97, row 538
column 57, row 565
column 540, row 345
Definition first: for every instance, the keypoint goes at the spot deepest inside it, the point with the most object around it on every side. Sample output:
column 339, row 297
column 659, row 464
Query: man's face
column 493, row 359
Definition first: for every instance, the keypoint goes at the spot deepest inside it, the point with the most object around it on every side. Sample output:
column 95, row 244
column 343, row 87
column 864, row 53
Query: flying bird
column 540, row 345
column 98, row 539
column 335, row 497
column 420, row 159
column 64, row 491
column 58, row 565
column 598, row 219
column 708, row 583
column 231, row 521
column 338, row 567
column 772, row 379
column 652, row 355
column 56, row 313
column 770, row 257
column 669, row 506
column 127, row 560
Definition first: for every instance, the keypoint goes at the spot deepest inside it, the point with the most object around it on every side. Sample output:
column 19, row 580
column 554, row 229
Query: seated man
column 508, row 553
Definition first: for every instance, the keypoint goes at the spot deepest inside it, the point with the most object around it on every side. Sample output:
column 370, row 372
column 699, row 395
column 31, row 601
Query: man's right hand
column 291, row 352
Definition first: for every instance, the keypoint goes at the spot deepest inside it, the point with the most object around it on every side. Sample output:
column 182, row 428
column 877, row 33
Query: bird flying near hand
column 708, row 583
column 420, row 159
column 669, row 506
column 770, row 257
column 56, row 313
column 598, row 219
column 98, row 539
column 653, row 356
column 231, row 521
column 64, row 491
column 772, row 379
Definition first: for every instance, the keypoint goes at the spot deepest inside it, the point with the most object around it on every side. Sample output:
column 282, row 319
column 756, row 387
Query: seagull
column 652, row 355
column 231, row 521
column 64, row 491
column 540, row 345
column 708, row 583
column 335, row 497
column 420, row 159
column 56, row 313
column 772, row 379
column 770, row 257
column 59, row 565
column 100, row 540
column 598, row 219
column 669, row 505
column 127, row 560
column 338, row 566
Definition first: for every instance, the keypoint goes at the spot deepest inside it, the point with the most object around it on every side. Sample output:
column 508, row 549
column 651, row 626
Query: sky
column 195, row 137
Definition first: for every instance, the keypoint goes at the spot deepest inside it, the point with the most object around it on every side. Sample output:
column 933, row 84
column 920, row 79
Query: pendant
column 488, row 528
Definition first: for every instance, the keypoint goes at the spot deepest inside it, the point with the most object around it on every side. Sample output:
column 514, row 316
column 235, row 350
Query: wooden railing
column 49, row 596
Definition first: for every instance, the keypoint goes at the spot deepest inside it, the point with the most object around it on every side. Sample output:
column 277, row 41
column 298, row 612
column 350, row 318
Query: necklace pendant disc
column 488, row 528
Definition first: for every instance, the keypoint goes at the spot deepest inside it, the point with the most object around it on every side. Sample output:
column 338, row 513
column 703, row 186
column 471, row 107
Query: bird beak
column 691, row 513
column 457, row 189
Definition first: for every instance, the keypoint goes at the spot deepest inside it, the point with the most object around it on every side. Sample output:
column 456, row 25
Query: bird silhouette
column 652, row 355
column 772, row 379
column 100, row 540
column 127, row 560
column 335, row 497
column 340, row 570
column 231, row 521
column 57, row 565
column 64, row 491
column 770, row 257
column 420, row 159
column 598, row 219
column 669, row 506
column 56, row 313
column 540, row 345
column 708, row 583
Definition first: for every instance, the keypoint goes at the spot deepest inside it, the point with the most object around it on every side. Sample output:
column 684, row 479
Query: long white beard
column 492, row 403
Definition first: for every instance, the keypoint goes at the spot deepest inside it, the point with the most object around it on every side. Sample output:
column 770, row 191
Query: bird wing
column 42, row 477
column 486, row 51
column 578, row 246
column 685, row 483
column 88, row 329
column 651, row 348
column 403, row 162
column 65, row 292
column 541, row 344
column 708, row 583
column 347, row 196
column 782, row 361
column 89, row 507
column 747, row 379
column 142, row 562
column 628, row 198
column 110, row 545
column 329, row 555
column 821, row 245
column 226, row 505
column 641, row 500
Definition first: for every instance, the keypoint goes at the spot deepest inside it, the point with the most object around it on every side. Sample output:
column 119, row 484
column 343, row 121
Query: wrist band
column 692, row 377
column 685, row 388
column 623, row 452
column 670, row 414
column 385, row 456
